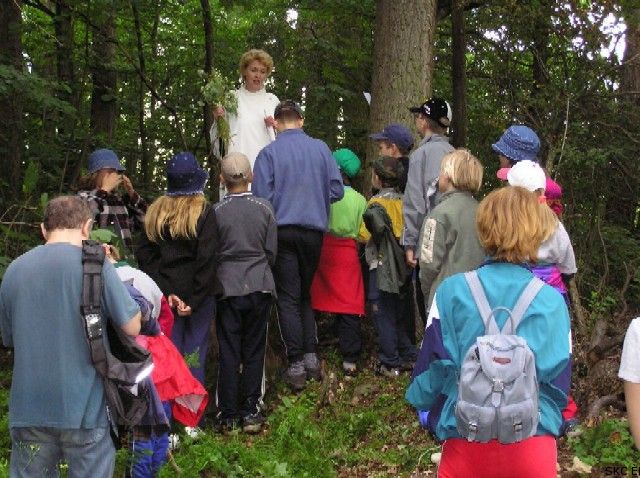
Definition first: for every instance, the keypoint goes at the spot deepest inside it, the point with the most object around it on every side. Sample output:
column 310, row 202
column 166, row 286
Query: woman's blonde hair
column 252, row 55
column 463, row 170
column 512, row 224
column 178, row 214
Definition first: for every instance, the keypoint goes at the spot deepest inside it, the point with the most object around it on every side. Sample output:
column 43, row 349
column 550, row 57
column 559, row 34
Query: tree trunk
column 145, row 165
column 64, row 51
column 11, row 134
column 458, row 74
column 104, row 78
column 214, row 167
column 630, row 81
column 403, row 61
column 63, row 25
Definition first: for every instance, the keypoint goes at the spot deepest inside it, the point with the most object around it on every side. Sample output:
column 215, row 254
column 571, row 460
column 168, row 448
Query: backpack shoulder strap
column 480, row 298
column 524, row 301
column 90, row 307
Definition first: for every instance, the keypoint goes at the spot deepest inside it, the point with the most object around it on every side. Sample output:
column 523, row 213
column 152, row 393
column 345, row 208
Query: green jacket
column 448, row 241
column 392, row 272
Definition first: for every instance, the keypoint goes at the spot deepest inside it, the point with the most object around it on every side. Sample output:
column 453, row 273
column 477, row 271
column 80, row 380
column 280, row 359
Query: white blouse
column 248, row 133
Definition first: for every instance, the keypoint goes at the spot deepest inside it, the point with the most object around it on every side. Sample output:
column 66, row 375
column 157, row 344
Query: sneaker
column 349, row 368
column 386, row 371
column 193, row 432
column 174, row 441
column 312, row 366
column 408, row 365
column 569, row 427
column 296, row 376
column 253, row 423
column 225, row 425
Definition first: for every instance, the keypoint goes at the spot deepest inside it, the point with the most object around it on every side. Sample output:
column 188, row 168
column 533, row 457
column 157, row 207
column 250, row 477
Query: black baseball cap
column 437, row 109
column 288, row 105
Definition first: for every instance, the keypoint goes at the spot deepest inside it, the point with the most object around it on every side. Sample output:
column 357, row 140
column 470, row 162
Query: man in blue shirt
column 299, row 177
column 57, row 406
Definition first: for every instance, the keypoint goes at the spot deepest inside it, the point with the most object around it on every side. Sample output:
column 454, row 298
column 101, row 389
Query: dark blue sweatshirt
column 298, row 176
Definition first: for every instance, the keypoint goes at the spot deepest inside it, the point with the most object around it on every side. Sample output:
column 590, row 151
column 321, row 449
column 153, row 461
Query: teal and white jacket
column 453, row 325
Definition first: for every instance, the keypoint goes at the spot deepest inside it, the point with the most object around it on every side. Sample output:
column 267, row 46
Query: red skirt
column 337, row 285
column 534, row 457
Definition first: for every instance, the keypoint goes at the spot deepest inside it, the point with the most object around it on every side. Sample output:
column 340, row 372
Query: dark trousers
column 242, row 338
column 391, row 317
column 419, row 300
column 296, row 264
column 191, row 334
column 349, row 336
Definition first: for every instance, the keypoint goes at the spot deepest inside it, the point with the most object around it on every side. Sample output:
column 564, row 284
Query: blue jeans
column 38, row 451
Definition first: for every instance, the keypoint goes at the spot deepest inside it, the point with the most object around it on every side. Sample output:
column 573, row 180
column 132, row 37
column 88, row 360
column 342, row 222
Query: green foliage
column 30, row 178
column 609, row 443
column 103, row 235
column 303, row 441
column 4, row 263
column 601, row 305
column 193, row 359
column 5, row 439
column 219, row 91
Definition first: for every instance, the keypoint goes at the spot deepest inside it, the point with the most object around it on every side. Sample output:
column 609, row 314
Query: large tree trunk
column 403, row 61
column 630, row 82
column 11, row 134
column 214, row 167
column 63, row 25
column 458, row 74
column 142, row 90
column 64, row 51
column 104, row 78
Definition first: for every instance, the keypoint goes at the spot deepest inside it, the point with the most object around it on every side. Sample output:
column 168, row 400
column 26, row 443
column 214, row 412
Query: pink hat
column 553, row 189
column 502, row 173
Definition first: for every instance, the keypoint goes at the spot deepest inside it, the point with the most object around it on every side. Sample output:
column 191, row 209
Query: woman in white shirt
column 252, row 127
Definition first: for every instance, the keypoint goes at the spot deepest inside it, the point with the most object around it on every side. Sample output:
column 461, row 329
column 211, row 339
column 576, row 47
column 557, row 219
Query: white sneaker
column 193, row 432
column 174, row 441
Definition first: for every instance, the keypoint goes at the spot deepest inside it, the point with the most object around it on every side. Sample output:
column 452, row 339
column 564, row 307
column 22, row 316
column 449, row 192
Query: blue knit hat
column 104, row 159
column 185, row 177
column 517, row 143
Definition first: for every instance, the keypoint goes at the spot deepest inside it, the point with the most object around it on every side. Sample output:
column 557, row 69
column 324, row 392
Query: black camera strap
column 93, row 257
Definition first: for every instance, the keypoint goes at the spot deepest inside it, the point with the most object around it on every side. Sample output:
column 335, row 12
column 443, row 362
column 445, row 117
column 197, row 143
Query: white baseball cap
column 527, row 174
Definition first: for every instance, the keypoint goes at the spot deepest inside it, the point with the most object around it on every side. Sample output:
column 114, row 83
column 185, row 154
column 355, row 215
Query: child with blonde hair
column 178, row 251
column 448, row 240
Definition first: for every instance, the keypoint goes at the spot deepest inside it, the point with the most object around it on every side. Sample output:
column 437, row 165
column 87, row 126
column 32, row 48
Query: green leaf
column 30, row 177
column 102, row 235
column 44, row 200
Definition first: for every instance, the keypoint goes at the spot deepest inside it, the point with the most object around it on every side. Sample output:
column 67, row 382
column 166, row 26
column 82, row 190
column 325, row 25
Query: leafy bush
column 609, row 443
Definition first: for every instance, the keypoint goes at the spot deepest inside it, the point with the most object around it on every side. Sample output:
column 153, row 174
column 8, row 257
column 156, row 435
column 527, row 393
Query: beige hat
column 236, row 168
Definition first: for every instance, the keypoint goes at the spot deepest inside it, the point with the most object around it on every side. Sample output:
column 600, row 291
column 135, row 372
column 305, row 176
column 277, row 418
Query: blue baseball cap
column 104, row 159
column 396, row 134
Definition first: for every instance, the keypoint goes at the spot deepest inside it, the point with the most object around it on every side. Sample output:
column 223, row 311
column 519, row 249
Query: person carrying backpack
column 493, row 369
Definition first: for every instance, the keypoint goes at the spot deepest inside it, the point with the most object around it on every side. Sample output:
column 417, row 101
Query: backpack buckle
column 473, row 431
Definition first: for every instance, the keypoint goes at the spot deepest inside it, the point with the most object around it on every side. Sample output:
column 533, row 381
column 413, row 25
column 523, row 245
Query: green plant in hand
column 219, row 91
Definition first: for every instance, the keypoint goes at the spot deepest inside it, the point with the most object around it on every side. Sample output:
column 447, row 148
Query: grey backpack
column 497, row 387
